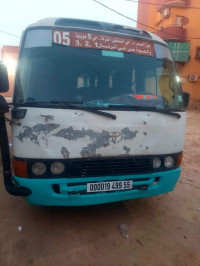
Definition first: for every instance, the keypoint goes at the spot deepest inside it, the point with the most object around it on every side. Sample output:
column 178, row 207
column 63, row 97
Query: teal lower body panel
column 73, row 191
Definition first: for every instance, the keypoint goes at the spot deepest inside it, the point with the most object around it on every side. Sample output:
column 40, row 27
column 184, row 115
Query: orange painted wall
column 148, row 14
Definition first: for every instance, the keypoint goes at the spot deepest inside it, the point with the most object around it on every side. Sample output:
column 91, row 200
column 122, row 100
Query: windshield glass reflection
column 97, row 77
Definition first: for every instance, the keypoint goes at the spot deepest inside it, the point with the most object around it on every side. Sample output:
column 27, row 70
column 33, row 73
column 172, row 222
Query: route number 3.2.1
column 61, row 37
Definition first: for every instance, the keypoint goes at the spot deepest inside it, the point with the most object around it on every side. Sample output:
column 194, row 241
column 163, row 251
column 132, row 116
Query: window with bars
column 180, row 51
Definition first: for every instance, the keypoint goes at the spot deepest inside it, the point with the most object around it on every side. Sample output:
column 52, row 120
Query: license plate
column 109, row 186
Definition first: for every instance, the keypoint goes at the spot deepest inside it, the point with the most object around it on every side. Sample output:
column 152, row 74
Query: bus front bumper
column 73, row 191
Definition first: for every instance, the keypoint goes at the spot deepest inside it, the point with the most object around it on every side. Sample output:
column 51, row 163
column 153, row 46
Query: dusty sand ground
column 163, row 230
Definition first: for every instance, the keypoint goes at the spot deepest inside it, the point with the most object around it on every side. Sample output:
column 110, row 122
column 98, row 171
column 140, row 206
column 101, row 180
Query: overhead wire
column 140, row 23
column 4, row 32
column 124, row 15
column 117, row 12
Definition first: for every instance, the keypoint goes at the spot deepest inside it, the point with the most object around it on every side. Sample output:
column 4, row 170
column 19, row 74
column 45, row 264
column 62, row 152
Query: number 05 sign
column 103, row 42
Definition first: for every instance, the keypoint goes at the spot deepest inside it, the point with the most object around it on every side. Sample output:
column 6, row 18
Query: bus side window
column 123, row 81
column 166, row 82
column 86, row 86
column 133, row 84
column 42, row 82
column 158, row 74
column 140, row 81
column 150, row 82
column 83, row 81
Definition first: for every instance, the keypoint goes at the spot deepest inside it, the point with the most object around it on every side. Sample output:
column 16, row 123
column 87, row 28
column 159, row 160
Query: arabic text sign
column 104, row 42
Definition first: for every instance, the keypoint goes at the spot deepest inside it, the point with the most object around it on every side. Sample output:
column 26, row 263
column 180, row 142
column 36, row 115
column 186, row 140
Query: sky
column 16, row 15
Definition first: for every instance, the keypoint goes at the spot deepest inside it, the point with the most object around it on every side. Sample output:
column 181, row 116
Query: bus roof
column 97, row 26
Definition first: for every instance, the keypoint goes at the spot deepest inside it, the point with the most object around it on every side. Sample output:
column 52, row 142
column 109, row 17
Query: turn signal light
column 179, row 159
column 20, row 168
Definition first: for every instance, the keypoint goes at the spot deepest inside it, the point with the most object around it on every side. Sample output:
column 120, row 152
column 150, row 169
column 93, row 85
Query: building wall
column 150, row 15
column 147, row 15
column 9, row 55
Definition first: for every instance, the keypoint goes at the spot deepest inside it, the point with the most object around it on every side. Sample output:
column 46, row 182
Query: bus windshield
column 54, row 72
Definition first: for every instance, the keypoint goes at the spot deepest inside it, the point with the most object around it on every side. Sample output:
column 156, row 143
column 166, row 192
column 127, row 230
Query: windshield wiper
column 148, row 108
column 80, row 106
column 77, row 105
column 88, row 109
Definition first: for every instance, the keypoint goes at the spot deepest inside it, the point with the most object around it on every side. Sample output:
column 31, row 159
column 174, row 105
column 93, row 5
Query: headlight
column 39, row 168
column 57, row 168
column 156, row 163
column 169, row 162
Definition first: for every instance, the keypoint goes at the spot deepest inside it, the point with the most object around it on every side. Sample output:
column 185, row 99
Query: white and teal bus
column 98, row 114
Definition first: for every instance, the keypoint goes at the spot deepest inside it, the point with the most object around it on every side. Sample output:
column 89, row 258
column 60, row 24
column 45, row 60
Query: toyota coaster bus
column 98, row 115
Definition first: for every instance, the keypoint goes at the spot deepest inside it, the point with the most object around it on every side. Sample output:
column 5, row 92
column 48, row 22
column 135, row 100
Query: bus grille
column 108, row 167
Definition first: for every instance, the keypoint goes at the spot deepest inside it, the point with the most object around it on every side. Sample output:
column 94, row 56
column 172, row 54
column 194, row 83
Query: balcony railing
column 172, row 33
column 171, row 3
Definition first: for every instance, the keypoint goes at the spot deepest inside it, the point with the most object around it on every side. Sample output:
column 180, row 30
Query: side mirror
column 186, row 99
column 4, row 84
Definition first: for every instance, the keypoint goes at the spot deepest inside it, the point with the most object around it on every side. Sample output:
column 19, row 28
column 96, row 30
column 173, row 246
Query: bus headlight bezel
column 60, row 168
column 169, row 162
column 42, row 168
column 157, row 163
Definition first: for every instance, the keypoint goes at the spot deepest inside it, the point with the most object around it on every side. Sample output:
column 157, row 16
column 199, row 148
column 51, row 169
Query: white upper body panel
column 63, row 133
column 51, row 22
